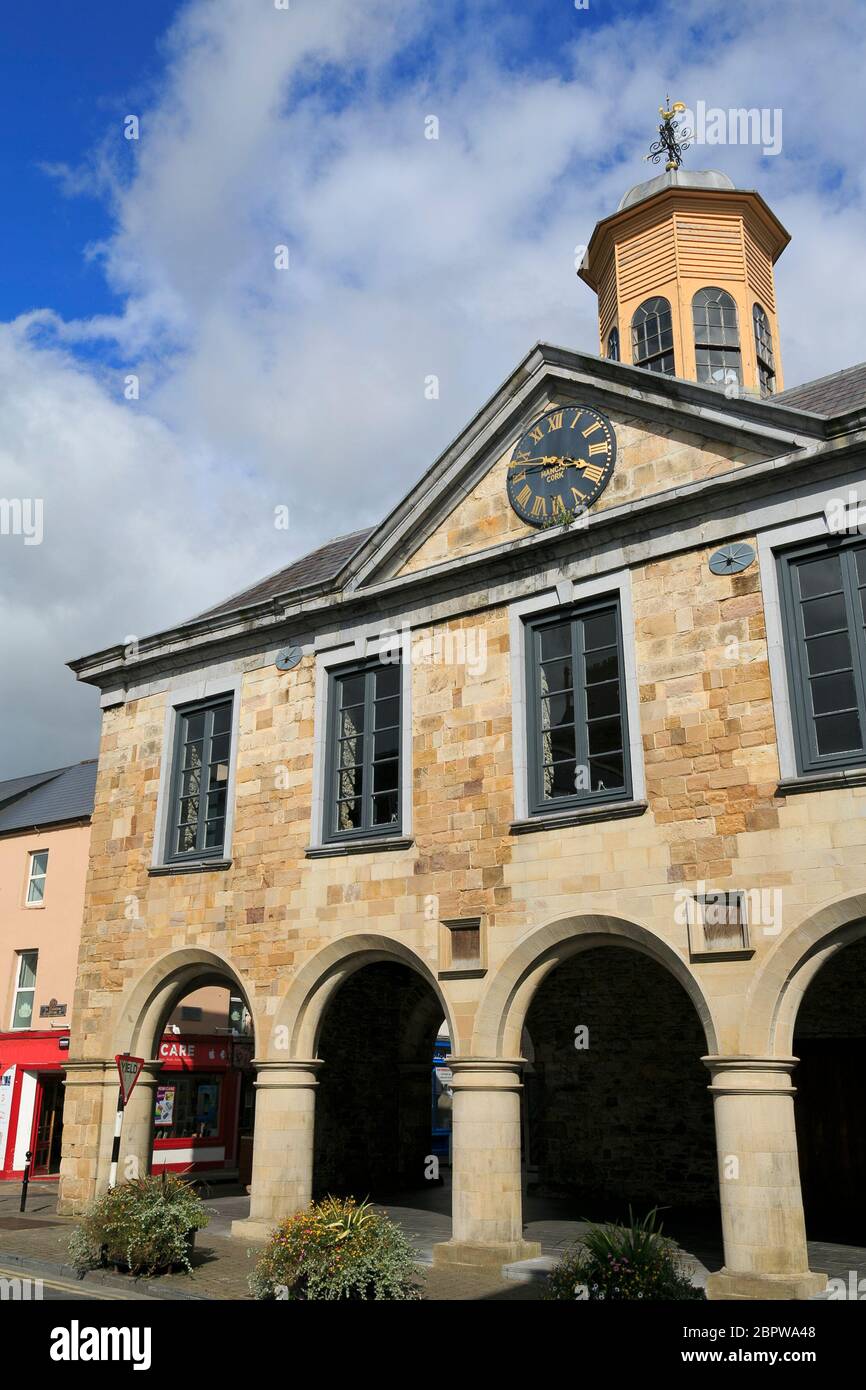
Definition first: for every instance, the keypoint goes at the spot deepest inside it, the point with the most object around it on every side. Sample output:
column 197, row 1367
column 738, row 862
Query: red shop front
column 203, row 1104
column 32, row 1070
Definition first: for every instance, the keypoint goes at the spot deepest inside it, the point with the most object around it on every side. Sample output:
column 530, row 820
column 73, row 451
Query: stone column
column 759, row 1181
column 89, row 1104
column 487, row 1200
column 282, row 1181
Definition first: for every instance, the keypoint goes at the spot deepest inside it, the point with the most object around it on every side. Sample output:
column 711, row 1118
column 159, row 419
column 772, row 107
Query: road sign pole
column 115, row 1148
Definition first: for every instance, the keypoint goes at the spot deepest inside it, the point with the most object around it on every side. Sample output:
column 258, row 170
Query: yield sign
column 129, row 1070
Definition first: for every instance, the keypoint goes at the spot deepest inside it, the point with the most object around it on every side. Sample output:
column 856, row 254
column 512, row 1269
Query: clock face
column 561, row 465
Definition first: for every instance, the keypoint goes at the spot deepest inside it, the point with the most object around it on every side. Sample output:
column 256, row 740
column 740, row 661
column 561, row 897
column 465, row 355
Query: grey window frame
column 181, row 714
column 613, row 354
column 332, row 833
column 538, row 804
column 808, row 759
column 655, row 307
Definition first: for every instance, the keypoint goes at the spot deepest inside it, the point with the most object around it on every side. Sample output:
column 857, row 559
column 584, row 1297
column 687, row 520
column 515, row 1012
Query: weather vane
column 672, row 141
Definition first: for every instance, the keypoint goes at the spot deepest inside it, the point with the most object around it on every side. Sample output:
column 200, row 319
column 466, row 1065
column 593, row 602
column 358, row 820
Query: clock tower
column 683, row 271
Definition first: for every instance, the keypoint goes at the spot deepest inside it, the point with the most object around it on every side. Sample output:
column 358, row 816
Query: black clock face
column 561, row 465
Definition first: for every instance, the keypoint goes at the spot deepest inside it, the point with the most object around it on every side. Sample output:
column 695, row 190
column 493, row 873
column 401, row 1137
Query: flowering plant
column 337, row 1249
column 622, row 1263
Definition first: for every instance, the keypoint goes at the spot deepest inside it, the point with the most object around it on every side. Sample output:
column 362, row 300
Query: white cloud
column 408, row 257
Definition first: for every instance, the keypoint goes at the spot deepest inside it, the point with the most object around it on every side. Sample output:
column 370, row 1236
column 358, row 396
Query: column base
column 254, row 1232
column 483, row 1256
column 726, row 1284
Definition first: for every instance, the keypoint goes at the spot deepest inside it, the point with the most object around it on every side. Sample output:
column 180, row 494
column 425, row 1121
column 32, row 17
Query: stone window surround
column 617, row 583
column 770, row 542
column 210, row 686
column 356, row 645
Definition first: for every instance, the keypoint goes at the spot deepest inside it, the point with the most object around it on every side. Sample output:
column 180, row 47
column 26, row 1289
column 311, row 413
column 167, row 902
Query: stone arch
column 295, row 1032
column 504, row 1005
column 789, row 969
column 145, row 1009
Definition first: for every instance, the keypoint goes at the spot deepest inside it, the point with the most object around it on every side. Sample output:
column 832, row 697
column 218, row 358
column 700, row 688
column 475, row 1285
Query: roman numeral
column 539, row 507
column 591, row 429
column 524, row 495
column 592, row 472
column 537, row 434
column 554, row 422
column 597, row 449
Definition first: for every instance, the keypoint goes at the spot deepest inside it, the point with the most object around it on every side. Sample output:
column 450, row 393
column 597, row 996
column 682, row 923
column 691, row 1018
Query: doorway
column 48, row 1138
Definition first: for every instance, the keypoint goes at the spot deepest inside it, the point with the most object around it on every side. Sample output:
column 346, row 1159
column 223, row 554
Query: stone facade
column 288, row 919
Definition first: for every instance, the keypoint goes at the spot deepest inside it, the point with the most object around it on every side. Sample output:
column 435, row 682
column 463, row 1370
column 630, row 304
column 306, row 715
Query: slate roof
column 828, row 395
column 48, row 798
column 318, row 567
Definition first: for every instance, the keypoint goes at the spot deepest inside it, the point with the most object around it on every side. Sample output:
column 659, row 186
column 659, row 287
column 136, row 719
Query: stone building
column 570, row 753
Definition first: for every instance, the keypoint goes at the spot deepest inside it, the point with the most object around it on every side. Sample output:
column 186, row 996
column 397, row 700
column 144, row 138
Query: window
column 764, row 351
column 577, row 736
column 824, row 599
column 613, row 345
column 364, row 752
column 200, row 773
column 36, row 878
column 25, row 990
column 187, row 1106
column 717, row 338
column 652, row 339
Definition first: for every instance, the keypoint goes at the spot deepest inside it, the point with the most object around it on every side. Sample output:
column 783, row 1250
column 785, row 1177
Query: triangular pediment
column 669, row 433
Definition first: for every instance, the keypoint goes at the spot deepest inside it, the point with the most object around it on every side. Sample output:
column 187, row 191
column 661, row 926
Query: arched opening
column 617, row 1111
column 830, row 1105
column 204, row 1102
column 382, row 1103
column 193, row 1113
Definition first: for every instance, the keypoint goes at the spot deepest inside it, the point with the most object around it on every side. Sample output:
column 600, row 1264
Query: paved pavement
column 37, row 1242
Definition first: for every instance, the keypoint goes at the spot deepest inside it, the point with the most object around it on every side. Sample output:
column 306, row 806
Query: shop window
column 577, row 737
column 764, row 351
column 200, row 775
column 363, row 764
column 652, row 337
column 717, row 338
column 187, row 1107
column 25, row 989
column 823, row 591
column 36, row 876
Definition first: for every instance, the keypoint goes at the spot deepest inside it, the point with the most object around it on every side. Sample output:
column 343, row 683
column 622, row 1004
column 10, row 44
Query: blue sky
column 259, row 389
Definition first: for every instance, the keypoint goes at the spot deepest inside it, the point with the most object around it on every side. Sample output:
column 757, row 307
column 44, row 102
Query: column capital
column 486, row 1073
column 293, row 1073
column 746, row 1075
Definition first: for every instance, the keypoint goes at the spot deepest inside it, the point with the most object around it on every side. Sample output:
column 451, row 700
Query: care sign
column 129, row 1070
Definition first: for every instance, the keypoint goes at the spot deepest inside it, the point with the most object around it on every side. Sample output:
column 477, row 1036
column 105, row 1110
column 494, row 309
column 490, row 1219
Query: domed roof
column 675, row 178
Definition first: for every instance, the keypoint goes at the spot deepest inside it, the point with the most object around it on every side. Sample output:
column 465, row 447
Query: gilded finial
column 672, row 141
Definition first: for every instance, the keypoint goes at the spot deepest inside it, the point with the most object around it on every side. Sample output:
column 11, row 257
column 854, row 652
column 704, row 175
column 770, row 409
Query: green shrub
column 622, row 1262
column 337, row 1249
column 145, row 1224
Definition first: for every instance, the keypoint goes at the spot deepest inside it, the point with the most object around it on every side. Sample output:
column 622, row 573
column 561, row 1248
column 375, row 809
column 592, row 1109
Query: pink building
column 44, row 843
column 203, row 1116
